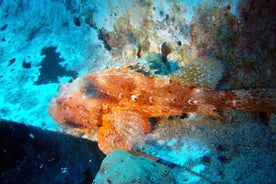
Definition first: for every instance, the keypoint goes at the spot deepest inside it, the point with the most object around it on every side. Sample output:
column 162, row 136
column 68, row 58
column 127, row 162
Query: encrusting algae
column 118, row 103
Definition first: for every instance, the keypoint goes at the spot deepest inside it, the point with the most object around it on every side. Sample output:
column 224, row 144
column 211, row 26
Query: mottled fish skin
column 118, row 102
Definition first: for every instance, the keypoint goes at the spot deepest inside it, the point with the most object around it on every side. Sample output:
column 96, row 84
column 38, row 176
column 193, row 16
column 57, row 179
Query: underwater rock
column 166, row 49
column 32, row 155
column 131, row 52
column 214, row 31
column 272, row 122
column 123, row 34
column 245, row 41
column 255, row 53
column 122, row 167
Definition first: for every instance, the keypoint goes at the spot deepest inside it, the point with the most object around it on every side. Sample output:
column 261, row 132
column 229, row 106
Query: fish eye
column 89, row 90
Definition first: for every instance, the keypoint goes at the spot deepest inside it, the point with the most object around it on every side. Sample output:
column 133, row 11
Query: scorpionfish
column 117, row 103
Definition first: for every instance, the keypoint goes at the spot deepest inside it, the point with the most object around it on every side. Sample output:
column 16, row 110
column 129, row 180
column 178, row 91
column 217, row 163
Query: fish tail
column 259, row 100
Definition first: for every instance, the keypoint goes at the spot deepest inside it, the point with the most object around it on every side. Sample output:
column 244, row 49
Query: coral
column 148, row 26
column 245, row 41
column 123, row 34
column 214, row 31
column 122, row 167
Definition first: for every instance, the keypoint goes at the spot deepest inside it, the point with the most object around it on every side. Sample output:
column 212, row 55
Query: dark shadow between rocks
column 32, row 155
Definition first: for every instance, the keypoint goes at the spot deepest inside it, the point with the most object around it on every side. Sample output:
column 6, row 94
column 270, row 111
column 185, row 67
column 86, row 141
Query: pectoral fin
column 122, row 130
column 109, row 139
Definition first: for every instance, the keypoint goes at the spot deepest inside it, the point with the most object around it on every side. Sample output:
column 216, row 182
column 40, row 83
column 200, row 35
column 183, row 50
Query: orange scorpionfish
column 118, row 103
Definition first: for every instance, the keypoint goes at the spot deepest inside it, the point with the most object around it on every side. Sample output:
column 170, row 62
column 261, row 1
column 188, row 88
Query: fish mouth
column 77, row 105
column 72, row 124
column 76, row 112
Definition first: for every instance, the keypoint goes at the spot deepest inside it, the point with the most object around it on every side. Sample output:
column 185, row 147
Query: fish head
column 77, row 105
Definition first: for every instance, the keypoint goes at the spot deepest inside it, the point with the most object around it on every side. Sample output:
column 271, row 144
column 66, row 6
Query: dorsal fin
column 152, row 64
column 204, row 72
column 143, row 68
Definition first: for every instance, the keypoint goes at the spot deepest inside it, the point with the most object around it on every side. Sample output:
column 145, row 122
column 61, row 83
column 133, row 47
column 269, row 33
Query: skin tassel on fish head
column 117, row 103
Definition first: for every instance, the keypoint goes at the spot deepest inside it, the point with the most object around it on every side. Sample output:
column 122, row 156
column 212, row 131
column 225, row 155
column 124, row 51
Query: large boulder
column 32, row 155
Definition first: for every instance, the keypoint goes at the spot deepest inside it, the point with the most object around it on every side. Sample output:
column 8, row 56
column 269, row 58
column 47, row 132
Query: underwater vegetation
column 118, row 103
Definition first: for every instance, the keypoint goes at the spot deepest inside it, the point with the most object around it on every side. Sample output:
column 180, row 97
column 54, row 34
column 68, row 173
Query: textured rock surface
column 245, row 41
column 239, row 149
column 122, row 167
